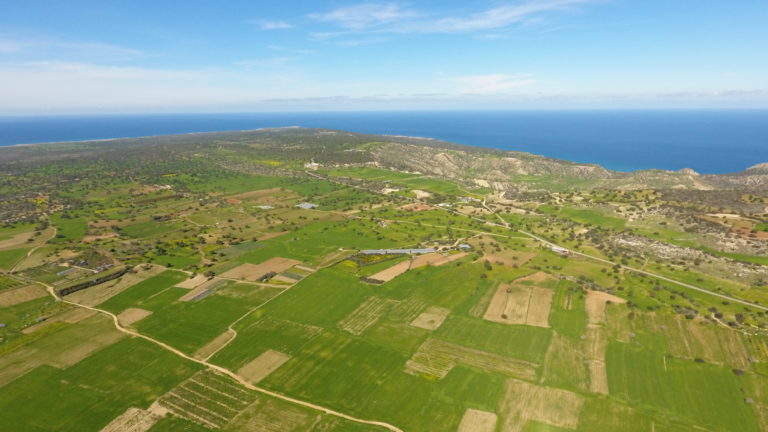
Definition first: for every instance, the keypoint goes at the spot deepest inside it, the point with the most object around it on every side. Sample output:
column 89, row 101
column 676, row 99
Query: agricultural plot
column 322, row 299
column 436, row 259
column 527, row 343
column 9, row 258
column 390, row 273
column 207, row 398
column 257, row 272
column 262, row 334
column 132, row 315
column 436, row 358
column 564, row 364
column 191, row 325
column 366, row 315
column 514, row 304
column 477, row 421
column 596, row 340
column 102, row 292
column 263, row 365
column 505, row 336
column 69, row 316
column 701, row 339
column 431, row 319
column 142, row 291
column 136, row 420
column 98, row 388
column 14, row 296
column 525, row 402
column 61, row 345
column 689, row 392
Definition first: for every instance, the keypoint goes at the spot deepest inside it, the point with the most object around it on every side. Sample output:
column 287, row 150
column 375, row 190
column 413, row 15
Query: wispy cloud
column 47, row 45
column 264, row 62
column 395, row 18
column 492, row 83
column 281, row 48
column 366, row 15
column 501, row 16
column 273, row 25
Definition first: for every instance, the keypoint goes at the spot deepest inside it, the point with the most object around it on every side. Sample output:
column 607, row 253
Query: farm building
column 560, row 250
column 307, row 206
column 397, row 251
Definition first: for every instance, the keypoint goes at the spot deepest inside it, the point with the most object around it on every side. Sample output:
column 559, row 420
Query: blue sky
column 105, row 56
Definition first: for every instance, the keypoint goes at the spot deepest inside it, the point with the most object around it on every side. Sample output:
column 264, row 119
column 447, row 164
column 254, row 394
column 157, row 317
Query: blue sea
column 709, row 141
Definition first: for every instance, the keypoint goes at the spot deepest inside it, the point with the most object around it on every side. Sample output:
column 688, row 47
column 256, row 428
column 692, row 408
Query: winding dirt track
column 223, row 370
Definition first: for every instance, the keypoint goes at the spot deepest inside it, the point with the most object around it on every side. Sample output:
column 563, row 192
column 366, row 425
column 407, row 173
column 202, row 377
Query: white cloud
column 273, row 25
column 366, row 15
column 48, row 46
column 492, row 83
column 264, row 62
column 393, row 18
column 501, row 17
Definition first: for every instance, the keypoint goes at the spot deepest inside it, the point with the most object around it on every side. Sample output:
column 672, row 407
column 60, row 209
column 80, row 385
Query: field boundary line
column 224, row 370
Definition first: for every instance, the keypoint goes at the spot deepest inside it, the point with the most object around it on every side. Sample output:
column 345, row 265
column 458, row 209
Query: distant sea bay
column 708, row 141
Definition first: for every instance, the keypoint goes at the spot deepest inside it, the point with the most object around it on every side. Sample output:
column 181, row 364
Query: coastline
column 709, row 142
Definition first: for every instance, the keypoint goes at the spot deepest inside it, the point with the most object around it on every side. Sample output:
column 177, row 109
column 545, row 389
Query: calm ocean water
column 707, row 141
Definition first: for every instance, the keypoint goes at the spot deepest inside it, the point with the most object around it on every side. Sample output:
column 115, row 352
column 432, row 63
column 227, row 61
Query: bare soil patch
column 390, row 273
column 132, row 315
column 420, row 194
column 436, row 259
column 253, row 272
column 133, row 420
column 432, row 319
column 477, row 421
column 192, row 283
column 263, row 365
column 470, row 210
column 539, row 306
column 523, row 402
column 21, row 295
column 19, row 239
column 92, row 238
column 595, row 303
column 214, row 345
column 416, row 207
column 516, row 304
column 538, row 277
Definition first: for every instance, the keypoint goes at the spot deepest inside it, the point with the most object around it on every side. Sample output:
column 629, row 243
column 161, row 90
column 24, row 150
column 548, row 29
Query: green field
column 276, row 350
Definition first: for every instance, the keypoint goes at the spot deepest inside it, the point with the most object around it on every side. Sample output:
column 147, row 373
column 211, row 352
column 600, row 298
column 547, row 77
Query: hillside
column 501, row 170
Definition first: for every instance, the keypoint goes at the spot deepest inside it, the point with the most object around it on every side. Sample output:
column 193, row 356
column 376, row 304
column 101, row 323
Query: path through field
column 223, row 370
